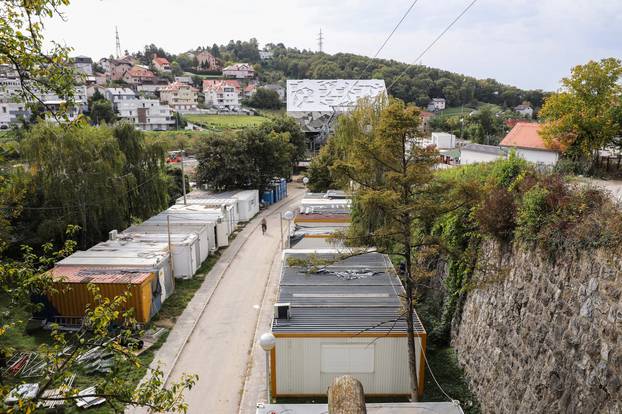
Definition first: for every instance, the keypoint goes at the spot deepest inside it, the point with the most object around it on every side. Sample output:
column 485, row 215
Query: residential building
column 152, row 87
column 436, row 104
column 443, row 140
column 239, row 71
column 146, row 114
column 477, row 153
column 278, row 89
column 179, row 96
column 116, row 95
column 524, row 109
column 525, row 139
column 106, row 64
column 138, row 75
column 250, row 90
column 118, row 68
column 10, row 87
column 55, row 103
column 161, row 63
column 221, row 94
column 11, row 112
column 184, row 79
column 83, row 64
column 207, row 61
column 333, row 322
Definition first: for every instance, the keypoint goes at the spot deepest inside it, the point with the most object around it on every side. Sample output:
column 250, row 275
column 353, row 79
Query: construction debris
column 88, row 402
column 56, row 393
column 22, row 392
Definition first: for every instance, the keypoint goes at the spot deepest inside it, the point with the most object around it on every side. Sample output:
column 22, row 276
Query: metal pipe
column 268, row 377
column 281, row 223
column 183, row 177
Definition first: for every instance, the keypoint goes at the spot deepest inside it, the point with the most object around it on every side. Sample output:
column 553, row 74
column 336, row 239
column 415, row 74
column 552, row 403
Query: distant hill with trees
column 419, row 84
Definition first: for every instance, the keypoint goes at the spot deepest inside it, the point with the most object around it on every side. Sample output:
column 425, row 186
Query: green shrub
column 532, row 213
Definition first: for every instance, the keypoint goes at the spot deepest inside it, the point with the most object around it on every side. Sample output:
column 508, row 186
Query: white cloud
column 523, row 42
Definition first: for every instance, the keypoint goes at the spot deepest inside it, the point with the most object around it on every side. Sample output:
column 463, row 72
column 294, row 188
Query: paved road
column 219, row 348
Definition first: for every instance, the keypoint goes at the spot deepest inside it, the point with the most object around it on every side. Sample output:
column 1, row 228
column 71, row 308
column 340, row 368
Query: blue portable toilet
column 267, row 198
column 284, row 183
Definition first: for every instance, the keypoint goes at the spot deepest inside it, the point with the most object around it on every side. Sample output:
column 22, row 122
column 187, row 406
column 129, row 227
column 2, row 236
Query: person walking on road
column 264, row 225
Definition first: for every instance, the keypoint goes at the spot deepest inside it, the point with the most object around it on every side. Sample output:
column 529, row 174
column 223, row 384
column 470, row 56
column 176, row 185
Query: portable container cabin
column 247, row 200
column 200, row 214
column 324, row 210
column 344, row 319
column 157, row 263
column 201, row 231
column 230, row 205
column 72, row 296
column 165, row 221
column 184, row 248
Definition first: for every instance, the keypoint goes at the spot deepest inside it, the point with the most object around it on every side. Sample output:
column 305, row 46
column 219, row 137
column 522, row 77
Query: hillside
column 419, row 84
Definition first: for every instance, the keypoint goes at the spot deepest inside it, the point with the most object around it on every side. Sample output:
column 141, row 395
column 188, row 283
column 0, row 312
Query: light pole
column 305, row 181
column 267, row 343
column 289, row 215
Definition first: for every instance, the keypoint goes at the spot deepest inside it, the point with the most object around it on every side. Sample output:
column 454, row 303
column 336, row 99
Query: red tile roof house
column 179, row 96
column 525, row 139
column 161, row 64
column 209, row 84
column 137, row 75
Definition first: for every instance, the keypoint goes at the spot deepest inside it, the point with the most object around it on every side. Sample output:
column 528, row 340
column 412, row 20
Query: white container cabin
column 200, row 214
column 247, row 201
column 201, row 231
column 345, row 320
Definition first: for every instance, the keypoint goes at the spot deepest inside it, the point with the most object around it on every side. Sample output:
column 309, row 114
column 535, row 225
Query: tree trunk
column 346, row 396
column 412, row 354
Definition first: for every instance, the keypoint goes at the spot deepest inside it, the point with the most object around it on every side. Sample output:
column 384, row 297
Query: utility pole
column 320, row 41
column 183, row 177
column 170, row 250
column 118, row 42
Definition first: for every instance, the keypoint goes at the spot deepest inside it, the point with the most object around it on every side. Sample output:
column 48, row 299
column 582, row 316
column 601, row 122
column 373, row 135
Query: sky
column 526, row 43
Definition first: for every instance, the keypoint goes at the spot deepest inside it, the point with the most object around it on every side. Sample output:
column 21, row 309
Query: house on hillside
column 436, row 104
column 278, row 89
column 239, row 71
column 83, row 64
column 525, row 139
column 12, row 112
column 222, row 93
column 138, row 75
column 250, row 90
column 265, row 54
column 179, row 96
column 524, row 109
column 116, row 95
column 207, row 61
column 477, row 153
column 161, row 63
column 118, row 68
column 146, row 114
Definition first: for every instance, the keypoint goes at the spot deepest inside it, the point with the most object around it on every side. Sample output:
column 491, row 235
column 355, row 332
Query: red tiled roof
column 139, row 72
column 426, row 114
column 76, row 274
column 161, row 61
column 175, row 86
column 209, row 84
column 525, row 135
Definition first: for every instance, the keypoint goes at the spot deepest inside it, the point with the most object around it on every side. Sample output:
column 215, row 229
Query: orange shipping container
column 73, row 296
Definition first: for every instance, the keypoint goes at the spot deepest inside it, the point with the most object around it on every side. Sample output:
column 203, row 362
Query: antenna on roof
column 118, row 42
column 320, row 41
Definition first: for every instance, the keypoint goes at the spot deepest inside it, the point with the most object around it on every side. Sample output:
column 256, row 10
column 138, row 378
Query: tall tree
column 584, row 116
column 393, row 177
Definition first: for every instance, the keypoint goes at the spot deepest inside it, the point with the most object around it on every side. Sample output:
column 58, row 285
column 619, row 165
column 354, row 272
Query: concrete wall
column 538, row 337
column 299, row 365
column 538, row 157
column 472, row 157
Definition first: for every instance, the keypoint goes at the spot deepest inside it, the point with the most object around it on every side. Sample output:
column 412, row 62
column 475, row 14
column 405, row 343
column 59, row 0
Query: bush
column 532, row 213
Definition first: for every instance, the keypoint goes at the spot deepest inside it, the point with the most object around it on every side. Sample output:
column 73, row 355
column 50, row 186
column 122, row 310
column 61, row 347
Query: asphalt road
column 219, row 348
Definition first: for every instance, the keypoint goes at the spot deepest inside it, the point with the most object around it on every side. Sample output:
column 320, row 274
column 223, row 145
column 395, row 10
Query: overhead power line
column 454, row 21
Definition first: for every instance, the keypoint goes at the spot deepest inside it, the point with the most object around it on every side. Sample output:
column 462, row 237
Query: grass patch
column 272, row 113
column 226, row 122
column 444, row 364
column 184, row 291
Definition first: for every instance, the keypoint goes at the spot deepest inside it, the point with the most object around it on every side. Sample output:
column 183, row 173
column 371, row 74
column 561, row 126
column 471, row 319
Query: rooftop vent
column 282, row 310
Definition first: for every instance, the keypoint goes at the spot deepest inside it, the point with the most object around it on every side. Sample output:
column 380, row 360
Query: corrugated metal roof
column 354, row 294
column 71, row 274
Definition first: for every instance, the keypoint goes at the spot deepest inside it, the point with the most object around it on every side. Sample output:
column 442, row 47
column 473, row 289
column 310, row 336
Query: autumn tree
column 585, row 115
column 394, row 191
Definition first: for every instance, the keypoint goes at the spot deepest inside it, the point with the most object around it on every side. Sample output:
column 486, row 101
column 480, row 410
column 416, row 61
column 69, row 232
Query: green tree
column 584, row 116
column 265, row 99
column 101, row 111
column 296, row 137
column 41, row 65
column 393, row 177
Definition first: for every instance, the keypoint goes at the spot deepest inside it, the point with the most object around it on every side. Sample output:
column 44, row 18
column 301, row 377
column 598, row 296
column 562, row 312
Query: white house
column 221, row 94
column 10, row 86
column 239, row 71
column 265, row 54
column 179, row 96
column 11, row 112
column 525, row 139
column 443, row 140
column 83, row 64
column 146, row 114
column 116, row 95
column 333, row 322
column 524, row 109
column 161, row 63
column 436, row 104
column 476, row 153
